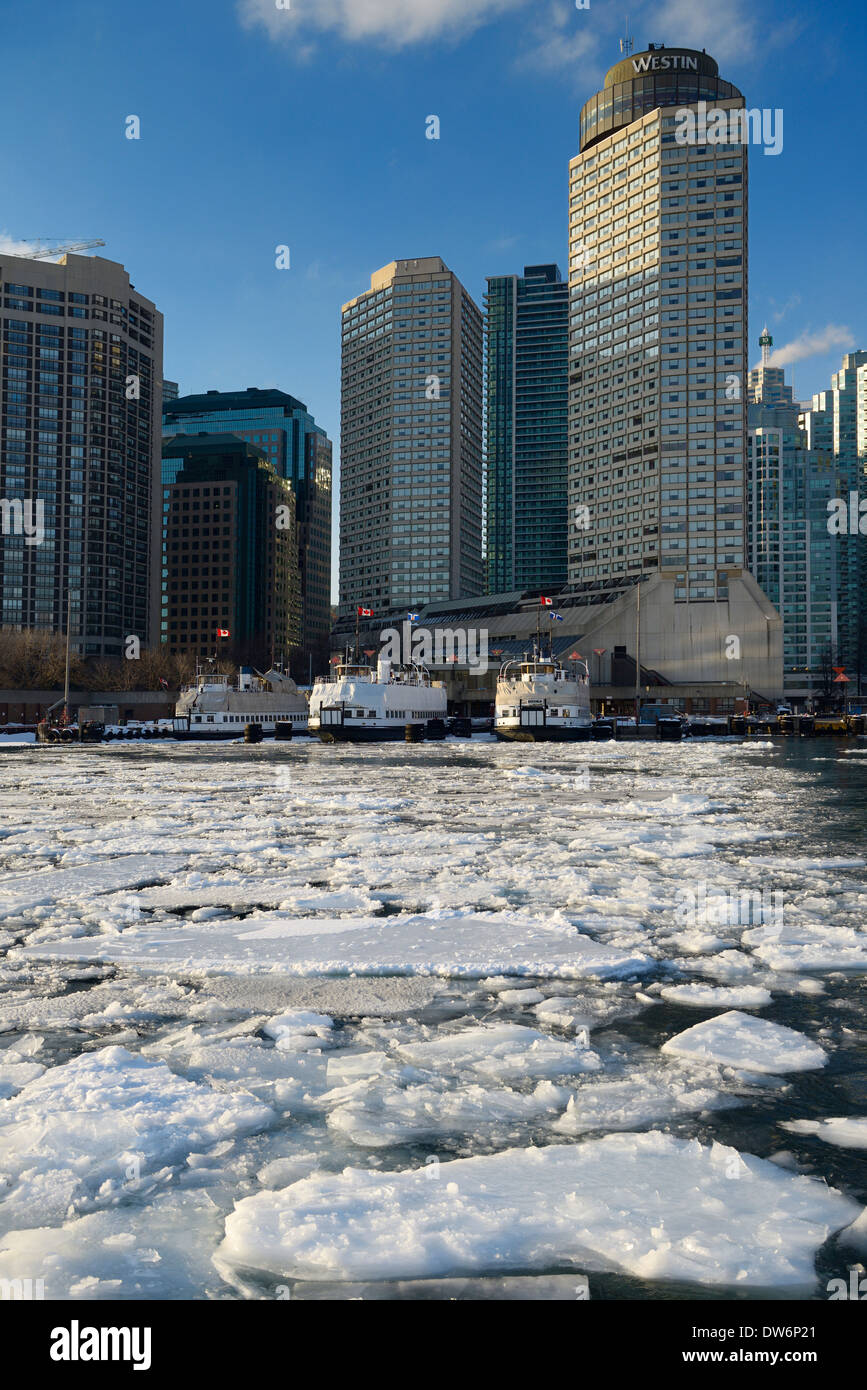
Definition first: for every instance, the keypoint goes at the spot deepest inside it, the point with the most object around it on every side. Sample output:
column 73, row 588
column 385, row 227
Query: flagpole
column 66, row 675
column 637, row 654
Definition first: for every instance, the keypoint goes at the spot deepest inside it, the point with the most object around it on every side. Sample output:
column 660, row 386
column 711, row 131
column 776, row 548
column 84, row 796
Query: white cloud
column 11, row 246
column 728, row 29
column 391, row 23
column 814, row 344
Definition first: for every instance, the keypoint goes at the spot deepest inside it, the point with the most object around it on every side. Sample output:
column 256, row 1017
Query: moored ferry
column 539, row 701
column 216, row 707
column 362, row 704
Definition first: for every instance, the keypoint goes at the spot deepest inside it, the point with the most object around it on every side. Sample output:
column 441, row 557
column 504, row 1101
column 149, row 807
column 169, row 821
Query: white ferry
column 359, row 704
column 538, row 701
column 215, row 707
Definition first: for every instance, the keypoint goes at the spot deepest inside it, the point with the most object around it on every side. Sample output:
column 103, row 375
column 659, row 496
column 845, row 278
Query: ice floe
column 849, row 1132
column 647, row 1204
column 83, row 1129
column 747, row 1044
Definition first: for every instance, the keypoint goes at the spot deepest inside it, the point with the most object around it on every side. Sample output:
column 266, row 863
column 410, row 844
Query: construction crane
column 44, row 251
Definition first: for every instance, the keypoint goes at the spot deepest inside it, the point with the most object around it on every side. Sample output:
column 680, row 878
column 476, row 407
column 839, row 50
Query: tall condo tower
column 527, row 328
column 82, row 372
column 657, row 355
column 411, row 440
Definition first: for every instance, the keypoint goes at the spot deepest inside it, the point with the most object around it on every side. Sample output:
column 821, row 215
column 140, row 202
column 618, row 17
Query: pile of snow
column 646, row 1204
column 747, row 1044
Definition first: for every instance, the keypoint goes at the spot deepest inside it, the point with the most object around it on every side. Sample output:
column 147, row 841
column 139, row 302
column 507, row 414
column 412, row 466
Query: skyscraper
column 789, row 549
column 299, row 450
column 835, row 428
column 657, row 371
column 230, row 557
column 527, row 327
column 411, row 440
column 82, row 362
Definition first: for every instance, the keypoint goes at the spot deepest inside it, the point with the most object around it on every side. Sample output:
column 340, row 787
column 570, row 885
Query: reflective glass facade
column 527, row 406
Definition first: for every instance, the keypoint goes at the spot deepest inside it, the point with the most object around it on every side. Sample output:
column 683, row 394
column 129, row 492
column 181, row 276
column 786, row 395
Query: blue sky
column 305, row 126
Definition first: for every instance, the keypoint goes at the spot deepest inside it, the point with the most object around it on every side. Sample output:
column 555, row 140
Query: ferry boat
column 216, row 707
column 538, row 701
column 363, row 704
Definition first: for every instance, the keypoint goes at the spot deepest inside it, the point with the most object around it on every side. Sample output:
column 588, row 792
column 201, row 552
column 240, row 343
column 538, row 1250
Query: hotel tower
column 657, row 343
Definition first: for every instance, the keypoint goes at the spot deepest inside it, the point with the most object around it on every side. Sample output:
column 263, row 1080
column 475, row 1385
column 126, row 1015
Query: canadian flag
column 547, row 602
column 365, row 612
column 223, row 632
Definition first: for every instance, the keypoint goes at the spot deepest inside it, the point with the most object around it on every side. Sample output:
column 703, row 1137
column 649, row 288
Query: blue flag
column 412, row 617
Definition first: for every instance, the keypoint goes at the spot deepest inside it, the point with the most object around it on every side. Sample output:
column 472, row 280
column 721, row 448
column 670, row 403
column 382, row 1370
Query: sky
column 302, row 123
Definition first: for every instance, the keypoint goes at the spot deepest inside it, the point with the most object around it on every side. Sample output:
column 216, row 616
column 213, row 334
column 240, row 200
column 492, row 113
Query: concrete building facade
column 657, row 370
column 411, row 440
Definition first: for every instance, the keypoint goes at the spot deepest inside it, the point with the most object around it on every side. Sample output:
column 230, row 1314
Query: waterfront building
column 658, row 291
column 526, row 333
column 230, row 554
column 298, row 449
column 835, row 429
column 82, row 362
column 411, row 440
column 789, row 549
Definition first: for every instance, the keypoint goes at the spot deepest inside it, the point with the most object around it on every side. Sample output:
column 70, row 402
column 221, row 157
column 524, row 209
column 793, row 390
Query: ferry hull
column 544, row 734
column 340, row 734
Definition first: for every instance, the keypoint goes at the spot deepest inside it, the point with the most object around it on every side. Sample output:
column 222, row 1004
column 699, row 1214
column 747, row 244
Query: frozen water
column 647, row 1204
column 849, row 1133
column 747, row 1044
column 81, row 1130
column 398, row 961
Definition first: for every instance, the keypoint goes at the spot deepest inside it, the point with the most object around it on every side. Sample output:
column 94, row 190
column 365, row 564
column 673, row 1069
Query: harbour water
column 243, row 983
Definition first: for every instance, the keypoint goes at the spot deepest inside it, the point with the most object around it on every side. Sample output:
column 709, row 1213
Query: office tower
column 789, row 549
column 170, row 392
column 230, row 552
column 299, row 450
column 79, row 446
column 658, row 293
column 766, row 385
column 411, row 440
column 831, row 424
column 526, row 328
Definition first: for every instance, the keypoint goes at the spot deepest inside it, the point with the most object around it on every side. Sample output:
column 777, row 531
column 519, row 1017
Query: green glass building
column 527, row 327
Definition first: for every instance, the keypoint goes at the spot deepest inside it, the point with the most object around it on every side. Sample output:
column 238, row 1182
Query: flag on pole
column 365, row 612
column 412, row 617
column 223, row 632
column 546, row 602
column 556, row 617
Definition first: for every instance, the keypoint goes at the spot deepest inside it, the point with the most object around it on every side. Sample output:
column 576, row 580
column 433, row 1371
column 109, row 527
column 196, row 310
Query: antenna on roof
column 626, row 45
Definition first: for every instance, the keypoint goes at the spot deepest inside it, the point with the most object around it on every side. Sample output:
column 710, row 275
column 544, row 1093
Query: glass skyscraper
column 834, row 427
column 527, row 328
column 80, row 444
column 299, row 450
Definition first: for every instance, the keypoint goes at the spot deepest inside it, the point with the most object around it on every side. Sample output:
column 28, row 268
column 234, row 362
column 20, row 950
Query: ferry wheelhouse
column 217, row 707
column 358, row 703
column 539, row 701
